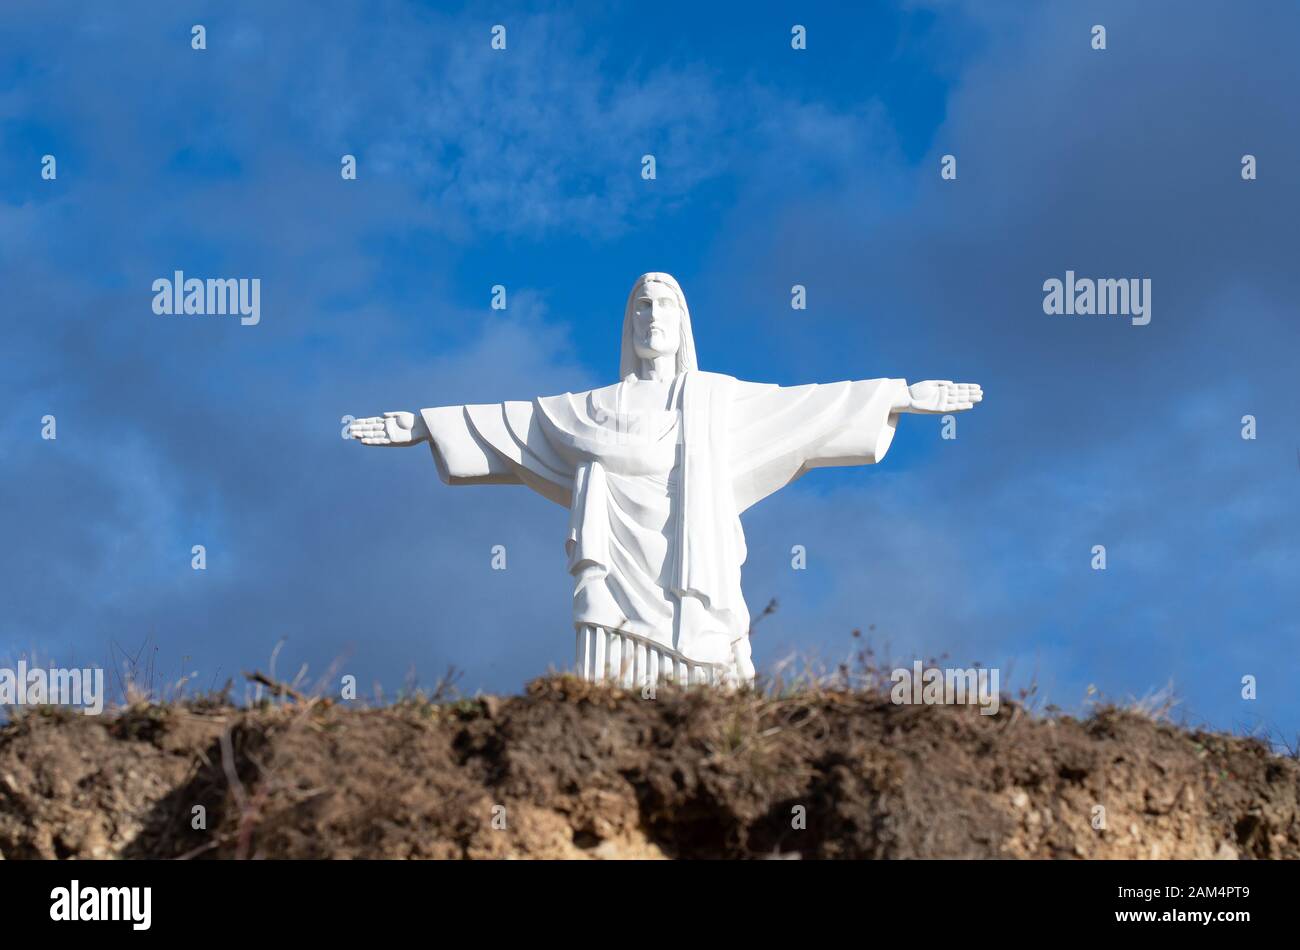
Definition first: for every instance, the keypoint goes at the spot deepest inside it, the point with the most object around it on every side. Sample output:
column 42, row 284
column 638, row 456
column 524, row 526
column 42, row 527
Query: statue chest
column 633, row 437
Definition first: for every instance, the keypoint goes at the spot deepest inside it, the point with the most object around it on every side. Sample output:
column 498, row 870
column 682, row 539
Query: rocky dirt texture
column 572, row 770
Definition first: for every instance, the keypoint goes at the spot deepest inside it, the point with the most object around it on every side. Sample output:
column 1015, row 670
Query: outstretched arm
column 392, row 428
column 939, row 396
column 475, row 445
column 778, row 433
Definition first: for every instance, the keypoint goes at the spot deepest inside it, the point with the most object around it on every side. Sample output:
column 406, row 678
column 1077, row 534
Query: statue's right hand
column 392, row 428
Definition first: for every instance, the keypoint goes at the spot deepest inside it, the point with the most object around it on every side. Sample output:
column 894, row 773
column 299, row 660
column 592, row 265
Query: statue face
column 656, row 321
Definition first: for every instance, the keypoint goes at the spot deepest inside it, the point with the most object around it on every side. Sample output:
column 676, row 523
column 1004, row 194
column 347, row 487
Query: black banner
column 366, row 898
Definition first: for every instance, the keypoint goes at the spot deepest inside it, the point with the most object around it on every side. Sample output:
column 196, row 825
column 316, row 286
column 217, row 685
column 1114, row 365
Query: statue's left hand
column 943, row 395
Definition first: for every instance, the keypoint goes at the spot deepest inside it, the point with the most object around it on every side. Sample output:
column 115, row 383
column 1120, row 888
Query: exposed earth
column 572, row 770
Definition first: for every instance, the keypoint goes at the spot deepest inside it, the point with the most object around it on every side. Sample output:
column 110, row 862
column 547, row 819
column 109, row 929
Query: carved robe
column 655, row 544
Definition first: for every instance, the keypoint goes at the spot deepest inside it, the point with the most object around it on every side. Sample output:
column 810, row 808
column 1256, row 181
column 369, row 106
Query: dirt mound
column 573, row 770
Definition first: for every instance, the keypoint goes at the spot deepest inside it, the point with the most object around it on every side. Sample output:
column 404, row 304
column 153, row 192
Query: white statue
column 655, row 471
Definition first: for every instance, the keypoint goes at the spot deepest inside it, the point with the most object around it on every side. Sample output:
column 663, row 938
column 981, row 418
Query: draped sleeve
column 777, row 433
column 498, row 444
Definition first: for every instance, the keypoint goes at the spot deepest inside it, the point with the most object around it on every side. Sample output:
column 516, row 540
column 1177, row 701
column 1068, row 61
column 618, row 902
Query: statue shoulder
column 736, row 388
column 715, row 379
column 601, row 393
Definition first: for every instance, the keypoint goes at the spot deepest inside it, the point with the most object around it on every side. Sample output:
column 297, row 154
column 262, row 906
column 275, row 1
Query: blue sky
column 775, row 167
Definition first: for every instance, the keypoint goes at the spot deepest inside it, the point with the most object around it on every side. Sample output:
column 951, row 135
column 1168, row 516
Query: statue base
column 624, row 659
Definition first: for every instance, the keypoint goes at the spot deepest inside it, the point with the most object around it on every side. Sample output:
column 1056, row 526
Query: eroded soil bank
column 570, row 770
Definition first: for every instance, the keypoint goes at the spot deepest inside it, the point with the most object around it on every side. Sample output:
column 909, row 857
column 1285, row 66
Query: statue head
column 656, row 323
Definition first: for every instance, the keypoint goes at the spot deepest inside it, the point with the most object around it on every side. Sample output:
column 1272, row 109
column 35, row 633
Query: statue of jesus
column 655, row 471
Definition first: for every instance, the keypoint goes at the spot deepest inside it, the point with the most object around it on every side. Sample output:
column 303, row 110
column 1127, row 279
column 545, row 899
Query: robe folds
column 655, row 543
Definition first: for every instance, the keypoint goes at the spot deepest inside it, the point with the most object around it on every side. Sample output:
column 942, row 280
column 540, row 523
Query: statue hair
column 629, row 361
